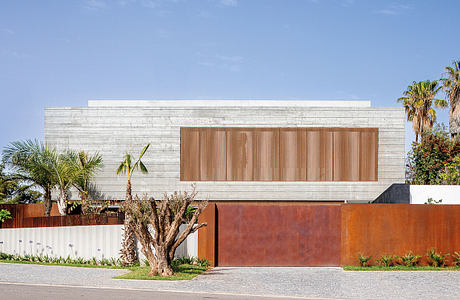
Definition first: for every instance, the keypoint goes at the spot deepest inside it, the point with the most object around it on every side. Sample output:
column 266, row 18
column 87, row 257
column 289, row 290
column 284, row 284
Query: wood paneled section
column 279, row 154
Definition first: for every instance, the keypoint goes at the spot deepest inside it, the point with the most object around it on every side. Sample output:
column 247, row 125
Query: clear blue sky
column 62, row 53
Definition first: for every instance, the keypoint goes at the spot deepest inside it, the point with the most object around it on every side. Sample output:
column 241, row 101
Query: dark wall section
column 397, row 193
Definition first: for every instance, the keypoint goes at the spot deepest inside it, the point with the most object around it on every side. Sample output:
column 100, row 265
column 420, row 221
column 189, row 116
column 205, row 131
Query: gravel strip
column 282, row 281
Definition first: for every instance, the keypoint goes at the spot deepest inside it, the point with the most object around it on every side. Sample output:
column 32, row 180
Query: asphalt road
column 49, row 292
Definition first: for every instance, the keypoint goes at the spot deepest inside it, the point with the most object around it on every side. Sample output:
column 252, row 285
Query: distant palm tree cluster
column 34, row 162
column 420, row 97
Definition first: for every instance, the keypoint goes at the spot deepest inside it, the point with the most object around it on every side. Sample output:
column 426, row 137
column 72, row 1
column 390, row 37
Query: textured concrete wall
column 113, row 130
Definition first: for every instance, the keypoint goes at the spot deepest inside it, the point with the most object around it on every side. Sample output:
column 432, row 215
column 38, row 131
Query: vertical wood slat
column 240, row 154
column 190, row 154
column 266, row 154
column 346, row 155
column 319, row 155
column 213, row 153
column 279, row 154
column 293, row 154
column 369, row 141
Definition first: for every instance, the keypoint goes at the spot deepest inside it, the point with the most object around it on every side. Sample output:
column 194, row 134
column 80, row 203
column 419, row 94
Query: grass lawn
column 181, row 272
column 400, row 268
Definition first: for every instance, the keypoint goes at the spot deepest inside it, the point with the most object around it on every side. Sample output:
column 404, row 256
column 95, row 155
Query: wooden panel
column 369, row 141
column 266, row 154
column 279, row 154
column 207, row 234
column 273, row 235
column 293, row 154
column 213, row 164
column 319, row 154
column 240, row 154
column 190, row 154
column 396, row 229
column 69, row 220
column 346, row 155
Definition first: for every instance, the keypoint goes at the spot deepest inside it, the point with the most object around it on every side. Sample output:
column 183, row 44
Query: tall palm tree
column 418, row 101
column 85, row 166
column 32, row 161
column 127, row 167
column 451, row 85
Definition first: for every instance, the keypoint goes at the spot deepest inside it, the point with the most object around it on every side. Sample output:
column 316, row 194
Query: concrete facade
column 114, row 127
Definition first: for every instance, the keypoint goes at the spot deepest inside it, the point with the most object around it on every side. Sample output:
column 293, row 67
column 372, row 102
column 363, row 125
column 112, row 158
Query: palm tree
column 451, row 85
column 65, row 173
column 127, row 167
column 418, row 102
column 85, row 167
column 32, row 161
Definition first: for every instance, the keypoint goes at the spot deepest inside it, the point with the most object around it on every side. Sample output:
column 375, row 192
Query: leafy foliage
column 436, row 259
column 387, row 260
column 434, row 156
column 4, row 215
column 432, row 201
column 363, row 260
column 409, row 259
column 418, row 101
column 13, row 189
column 456, row 257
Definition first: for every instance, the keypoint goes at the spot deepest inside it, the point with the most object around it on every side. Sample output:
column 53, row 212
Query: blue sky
column 63, row 53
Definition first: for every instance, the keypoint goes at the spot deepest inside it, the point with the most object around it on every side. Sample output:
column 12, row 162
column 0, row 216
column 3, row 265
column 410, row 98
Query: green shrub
column 363, row 260
column 456, row 257
column 436, row 259
column 409, row 259
column 387, row 260
column 203, row 263
column 4, row 215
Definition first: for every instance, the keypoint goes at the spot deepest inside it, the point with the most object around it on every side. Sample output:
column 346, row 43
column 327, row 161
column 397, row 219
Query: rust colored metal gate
column 278, row 235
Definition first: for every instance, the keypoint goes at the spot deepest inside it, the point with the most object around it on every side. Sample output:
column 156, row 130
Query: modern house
column 314, row 151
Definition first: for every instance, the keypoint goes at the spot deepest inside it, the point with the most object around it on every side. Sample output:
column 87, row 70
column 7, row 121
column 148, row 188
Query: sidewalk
column 301, row 282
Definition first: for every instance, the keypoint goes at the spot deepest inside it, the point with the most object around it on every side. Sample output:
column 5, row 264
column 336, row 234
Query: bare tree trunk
column 47, row 201
column 163, row 266
column 454, row 119
column 84, row 204
column 128, row 251
column 62, row 202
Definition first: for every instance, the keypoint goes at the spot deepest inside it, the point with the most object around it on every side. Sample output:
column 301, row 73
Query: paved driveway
column 329, row 283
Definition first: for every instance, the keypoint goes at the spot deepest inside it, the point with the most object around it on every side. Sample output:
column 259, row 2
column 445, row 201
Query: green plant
column 128, row 166
column 418, row 102
column 456, row 257
column 386, row 260
column 31, row 161
column 363, row 260
column 434, row 156
column 4, row 215
column 203, row 262
column 432, row 201
column 436, row 259
column 409, row 259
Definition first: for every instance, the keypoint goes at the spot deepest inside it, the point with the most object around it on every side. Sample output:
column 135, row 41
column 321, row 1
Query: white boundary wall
column 99, row 241
column 450, row 194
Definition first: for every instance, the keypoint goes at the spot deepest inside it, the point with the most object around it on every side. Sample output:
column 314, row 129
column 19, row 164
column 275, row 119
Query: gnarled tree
column 164, row 217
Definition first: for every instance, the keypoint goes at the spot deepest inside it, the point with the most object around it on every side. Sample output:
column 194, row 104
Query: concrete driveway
column 313, row 283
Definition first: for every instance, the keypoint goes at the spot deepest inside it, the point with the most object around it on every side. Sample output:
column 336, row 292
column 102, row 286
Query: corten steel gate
column 278, row 235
